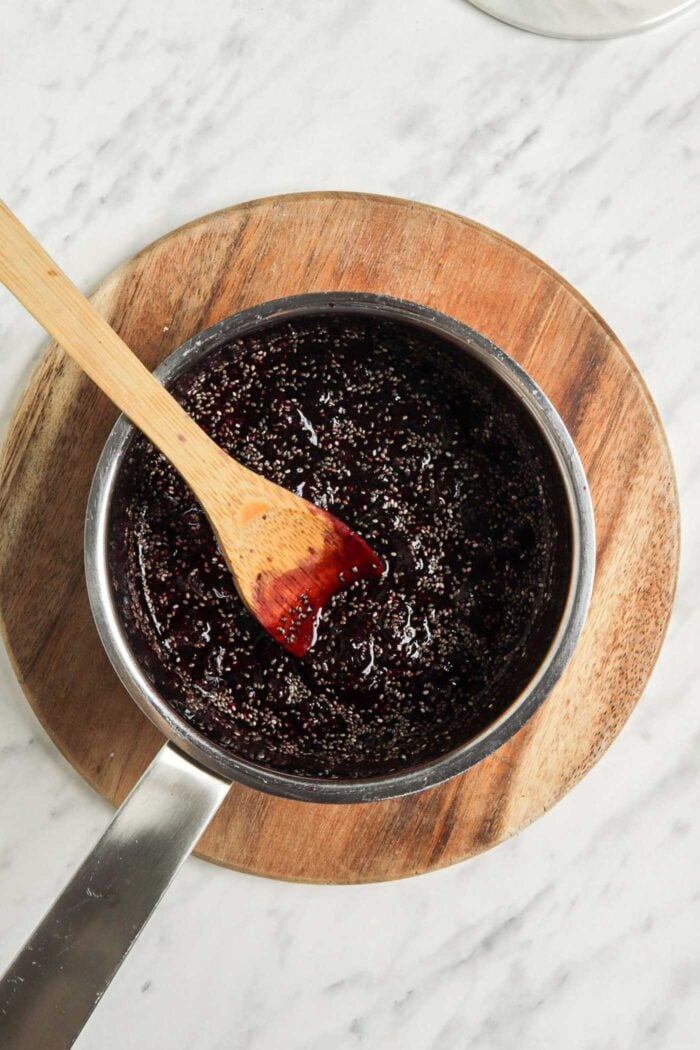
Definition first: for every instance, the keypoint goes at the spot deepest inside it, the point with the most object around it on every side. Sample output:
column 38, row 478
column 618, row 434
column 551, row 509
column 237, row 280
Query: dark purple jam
column 433, row 461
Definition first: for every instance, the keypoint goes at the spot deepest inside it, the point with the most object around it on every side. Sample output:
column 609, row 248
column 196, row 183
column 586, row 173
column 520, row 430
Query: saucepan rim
column 203, row 751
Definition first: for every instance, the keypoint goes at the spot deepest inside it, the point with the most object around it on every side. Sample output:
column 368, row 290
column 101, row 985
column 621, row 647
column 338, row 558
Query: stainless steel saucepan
column 59, row 976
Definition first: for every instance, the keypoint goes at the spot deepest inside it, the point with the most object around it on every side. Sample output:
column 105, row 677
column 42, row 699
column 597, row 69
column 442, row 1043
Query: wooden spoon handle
column 39, row 284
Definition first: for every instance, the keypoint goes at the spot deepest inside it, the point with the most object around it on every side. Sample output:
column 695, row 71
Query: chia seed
column 425, row 454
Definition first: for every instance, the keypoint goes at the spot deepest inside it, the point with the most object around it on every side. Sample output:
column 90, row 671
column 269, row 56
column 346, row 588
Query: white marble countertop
column 121, row 121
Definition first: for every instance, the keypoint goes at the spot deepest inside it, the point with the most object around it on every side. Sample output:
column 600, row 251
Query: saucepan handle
column 57, row 979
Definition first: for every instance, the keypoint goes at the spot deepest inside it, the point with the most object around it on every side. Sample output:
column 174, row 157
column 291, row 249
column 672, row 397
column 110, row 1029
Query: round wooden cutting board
column 330, row 241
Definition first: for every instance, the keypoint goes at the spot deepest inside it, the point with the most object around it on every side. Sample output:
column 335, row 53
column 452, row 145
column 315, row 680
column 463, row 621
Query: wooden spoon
column 287, row 556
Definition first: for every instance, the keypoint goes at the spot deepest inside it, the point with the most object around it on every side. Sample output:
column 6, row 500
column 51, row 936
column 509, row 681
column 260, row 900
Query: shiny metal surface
column 584, row 19
column 413, row 779
column 58, row 978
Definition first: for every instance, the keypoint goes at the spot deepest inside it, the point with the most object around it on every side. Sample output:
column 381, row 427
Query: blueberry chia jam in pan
column 425, row 453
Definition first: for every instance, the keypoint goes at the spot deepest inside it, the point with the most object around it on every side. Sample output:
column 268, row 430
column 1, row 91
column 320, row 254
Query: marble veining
column 121, row 121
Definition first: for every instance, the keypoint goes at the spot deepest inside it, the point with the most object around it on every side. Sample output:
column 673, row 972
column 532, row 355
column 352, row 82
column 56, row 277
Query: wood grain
column 322, row 242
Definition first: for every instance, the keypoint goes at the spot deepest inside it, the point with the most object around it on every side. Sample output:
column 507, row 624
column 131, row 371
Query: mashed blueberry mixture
column 429, row 458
